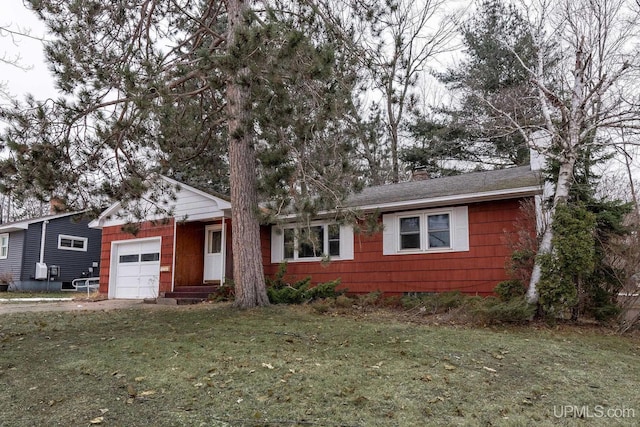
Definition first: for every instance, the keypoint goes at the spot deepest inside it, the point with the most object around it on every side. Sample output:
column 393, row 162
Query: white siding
column 195, row 206
column 189, row 205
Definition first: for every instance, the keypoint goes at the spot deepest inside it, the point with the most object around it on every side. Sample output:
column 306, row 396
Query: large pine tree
column 491, row 79
column 195, row 89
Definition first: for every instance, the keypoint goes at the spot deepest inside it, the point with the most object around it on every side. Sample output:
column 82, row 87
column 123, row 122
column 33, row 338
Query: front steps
column 192, row 294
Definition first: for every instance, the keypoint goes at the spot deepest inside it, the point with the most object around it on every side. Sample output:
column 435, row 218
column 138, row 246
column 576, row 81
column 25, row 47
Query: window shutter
column 346, row 242
column 389, row 235
column 461, row 229
column 277, row 245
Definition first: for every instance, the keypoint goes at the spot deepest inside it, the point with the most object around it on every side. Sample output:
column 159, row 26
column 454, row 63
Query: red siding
column 147, row 229
column 475, row 272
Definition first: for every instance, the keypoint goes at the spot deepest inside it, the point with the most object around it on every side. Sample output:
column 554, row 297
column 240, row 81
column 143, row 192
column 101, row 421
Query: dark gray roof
column 23, row 224
column 501, row 181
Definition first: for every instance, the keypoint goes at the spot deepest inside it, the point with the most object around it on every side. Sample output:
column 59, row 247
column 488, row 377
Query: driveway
column 114, row 304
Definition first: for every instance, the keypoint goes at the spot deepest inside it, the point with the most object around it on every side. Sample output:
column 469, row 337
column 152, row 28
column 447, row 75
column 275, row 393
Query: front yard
column 214, row 366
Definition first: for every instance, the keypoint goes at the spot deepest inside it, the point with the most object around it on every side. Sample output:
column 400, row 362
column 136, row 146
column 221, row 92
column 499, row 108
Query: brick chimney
column 57, row 205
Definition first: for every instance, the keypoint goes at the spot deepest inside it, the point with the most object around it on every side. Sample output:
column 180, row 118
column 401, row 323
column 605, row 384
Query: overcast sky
column 37, row 79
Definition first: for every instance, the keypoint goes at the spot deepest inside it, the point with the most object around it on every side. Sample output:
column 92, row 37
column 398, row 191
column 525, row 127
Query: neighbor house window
column 4, row 246
column 72, row 243
column 311, row 243
column 436, row 230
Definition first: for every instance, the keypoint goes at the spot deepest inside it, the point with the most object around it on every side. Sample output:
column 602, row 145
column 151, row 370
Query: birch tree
column 590, row 91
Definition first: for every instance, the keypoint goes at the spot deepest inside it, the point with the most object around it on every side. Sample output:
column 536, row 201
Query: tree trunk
column 248, row 273
column 565, row 178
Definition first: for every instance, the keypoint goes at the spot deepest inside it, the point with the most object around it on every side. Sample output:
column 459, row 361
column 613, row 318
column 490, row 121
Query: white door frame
column 223, row 252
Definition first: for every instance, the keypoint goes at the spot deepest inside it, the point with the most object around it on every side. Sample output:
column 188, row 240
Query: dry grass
column 26, row 294
column 211, row 365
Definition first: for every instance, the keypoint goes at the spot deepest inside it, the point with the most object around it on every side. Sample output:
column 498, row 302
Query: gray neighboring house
column 69, row 250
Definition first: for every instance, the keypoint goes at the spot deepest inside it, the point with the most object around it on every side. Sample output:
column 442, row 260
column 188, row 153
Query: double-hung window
column 4, row 245
column 312, row 242
column 410, row 232
column 439, row 231
column 72, row 243
column 436, row 230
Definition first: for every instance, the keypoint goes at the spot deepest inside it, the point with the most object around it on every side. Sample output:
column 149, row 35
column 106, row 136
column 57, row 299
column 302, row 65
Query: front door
column 214, row 253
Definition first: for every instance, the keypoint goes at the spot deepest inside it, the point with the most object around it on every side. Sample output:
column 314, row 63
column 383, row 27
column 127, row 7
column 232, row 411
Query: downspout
column 42, row 237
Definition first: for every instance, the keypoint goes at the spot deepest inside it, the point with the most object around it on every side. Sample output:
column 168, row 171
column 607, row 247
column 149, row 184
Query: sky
column 37, row 79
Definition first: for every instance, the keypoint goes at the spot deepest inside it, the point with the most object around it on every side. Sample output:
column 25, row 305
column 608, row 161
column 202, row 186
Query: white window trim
column 277, row 243
column 458, row 231
column 424, row 232
column 4, row 237
column 84, row 240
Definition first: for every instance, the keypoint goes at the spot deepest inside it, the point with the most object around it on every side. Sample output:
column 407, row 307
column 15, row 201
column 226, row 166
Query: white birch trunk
column 561, row 195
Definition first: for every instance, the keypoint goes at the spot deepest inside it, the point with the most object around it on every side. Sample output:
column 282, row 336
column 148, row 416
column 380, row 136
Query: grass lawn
column 211, row 365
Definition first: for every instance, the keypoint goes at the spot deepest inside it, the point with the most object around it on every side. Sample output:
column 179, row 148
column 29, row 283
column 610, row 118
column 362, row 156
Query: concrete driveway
column 79, row 305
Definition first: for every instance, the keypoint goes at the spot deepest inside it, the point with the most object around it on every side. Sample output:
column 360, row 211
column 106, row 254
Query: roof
column 24, row 224
column 475, row 186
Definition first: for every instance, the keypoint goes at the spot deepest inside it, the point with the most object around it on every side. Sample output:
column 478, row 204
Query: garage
column 137, row 269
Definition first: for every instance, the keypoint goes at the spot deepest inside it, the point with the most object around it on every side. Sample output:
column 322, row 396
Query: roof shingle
column 502, row 180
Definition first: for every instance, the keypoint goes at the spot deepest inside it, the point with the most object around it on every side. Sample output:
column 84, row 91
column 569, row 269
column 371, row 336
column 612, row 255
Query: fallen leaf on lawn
column 449, row 367
column 267, row 365
column 104, row 411
column 131, row 391
column 427, row 378
column 436, row 399
column 489, row 369
column 138, row 379
column 498, row 356
column 97, row 420
column 148, row 393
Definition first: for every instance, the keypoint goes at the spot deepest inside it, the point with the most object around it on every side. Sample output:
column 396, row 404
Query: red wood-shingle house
column 439, row 235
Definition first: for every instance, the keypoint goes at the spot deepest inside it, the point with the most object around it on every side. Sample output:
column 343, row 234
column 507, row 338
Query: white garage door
column 138, row 269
